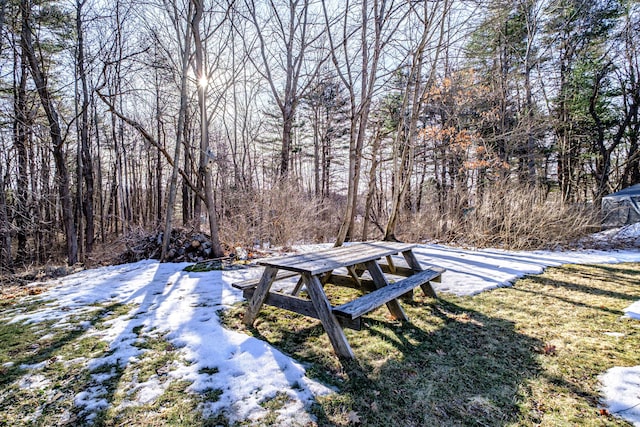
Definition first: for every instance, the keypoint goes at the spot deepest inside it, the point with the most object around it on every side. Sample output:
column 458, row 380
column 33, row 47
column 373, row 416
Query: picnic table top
column 325, row 260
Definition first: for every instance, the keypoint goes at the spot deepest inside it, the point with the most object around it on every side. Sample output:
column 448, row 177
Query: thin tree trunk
column 372, row 184
column 158, row 169
column 205, row 153
column 413, row 95
column 186, row 49
column 87, row 163
column 99, row 174
column 20, row 140
column 6, row 261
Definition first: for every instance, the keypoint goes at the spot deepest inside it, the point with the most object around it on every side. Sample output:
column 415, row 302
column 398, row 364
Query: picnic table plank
column 369, row 302
column 301, row 306
column 252, row 283
column 334, row 258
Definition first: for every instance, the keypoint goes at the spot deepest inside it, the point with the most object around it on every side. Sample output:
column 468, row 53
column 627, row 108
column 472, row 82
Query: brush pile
column 184, row 246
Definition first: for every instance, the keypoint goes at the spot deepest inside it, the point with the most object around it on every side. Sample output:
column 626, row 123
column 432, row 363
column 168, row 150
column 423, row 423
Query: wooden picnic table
column 341, row 266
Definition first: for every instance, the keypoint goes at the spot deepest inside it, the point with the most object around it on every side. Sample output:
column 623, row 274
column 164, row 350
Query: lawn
column 524, row 355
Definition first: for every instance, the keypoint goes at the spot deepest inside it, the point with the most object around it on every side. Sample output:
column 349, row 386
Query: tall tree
column 59, row 155
column 423, row 64
column 183, row 35
column 576, row 31
column 205, row 150
column 85, row 159
column 284, row 63
column 21, row 130
column 6, row 260
column 630, row 90
column 375, row 24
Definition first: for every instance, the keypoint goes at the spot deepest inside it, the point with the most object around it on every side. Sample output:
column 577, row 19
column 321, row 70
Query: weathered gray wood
column 298, row 287
column 326, row 316
column 348, row 282
column 354, row 275
column 399, row 270
column 391, row 265
column 412, row 261
column 268, row 276
column 414, row 264
column 301, row 306
column 331, row 259
column 381, row 282
column 373, row 300
column 252, row 283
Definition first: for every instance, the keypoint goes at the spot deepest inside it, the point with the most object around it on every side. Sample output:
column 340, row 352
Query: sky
column 183, row 305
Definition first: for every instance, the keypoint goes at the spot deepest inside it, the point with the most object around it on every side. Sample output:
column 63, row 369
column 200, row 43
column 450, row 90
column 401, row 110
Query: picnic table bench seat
column 370, row 301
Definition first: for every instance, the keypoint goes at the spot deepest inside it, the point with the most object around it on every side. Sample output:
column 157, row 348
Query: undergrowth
column 506, row 215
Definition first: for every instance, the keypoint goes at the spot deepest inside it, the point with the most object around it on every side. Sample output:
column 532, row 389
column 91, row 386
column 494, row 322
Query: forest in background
column 484, row 122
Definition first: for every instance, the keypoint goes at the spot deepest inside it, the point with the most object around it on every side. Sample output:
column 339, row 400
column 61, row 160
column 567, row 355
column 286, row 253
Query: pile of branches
column 184, row 246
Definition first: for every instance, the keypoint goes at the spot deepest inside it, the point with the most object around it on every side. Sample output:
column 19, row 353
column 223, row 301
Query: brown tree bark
column 6, row 260
column 85, row 142
column 20, row 141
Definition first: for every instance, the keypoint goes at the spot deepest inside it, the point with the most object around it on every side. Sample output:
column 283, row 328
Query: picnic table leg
column 414, row 264
column 354, row 275
column 378, row 278
column 262, row 290
column 392, row 267
column 298, row 287
column 325, row 278
column 326, row 316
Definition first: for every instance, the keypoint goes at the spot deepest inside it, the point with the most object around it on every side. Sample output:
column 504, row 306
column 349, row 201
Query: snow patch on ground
column 633, row 311
column 181, row 306
column 621, row 389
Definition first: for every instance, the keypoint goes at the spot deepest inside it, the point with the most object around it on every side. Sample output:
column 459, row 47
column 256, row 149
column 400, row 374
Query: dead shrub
column 279, row 216
column 508, row 215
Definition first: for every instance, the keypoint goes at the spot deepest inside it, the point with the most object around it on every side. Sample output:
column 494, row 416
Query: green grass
column 527, row 355
column 63, row 353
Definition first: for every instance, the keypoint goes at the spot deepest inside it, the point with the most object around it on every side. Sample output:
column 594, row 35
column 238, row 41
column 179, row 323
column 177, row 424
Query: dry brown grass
column 507, row 215
column 280, row 216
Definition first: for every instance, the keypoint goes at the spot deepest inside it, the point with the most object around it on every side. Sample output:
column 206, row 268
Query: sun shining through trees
column 203, row 82
column 398, row 122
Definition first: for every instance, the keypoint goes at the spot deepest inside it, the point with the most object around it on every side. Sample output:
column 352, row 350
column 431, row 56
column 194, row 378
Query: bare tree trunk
column 205, row 151
column 377, row 139
column 99, row 172
column 55, row 133
column 434, row 21
column 186, row 50
column 158, row 168
column 294, row 30
column 20, row 141
column 85, row 142
column 372, row 43
column 6, row 261
column 3, row 9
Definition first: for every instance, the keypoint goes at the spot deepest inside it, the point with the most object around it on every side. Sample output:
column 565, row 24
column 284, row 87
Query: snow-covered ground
column 183, row 305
